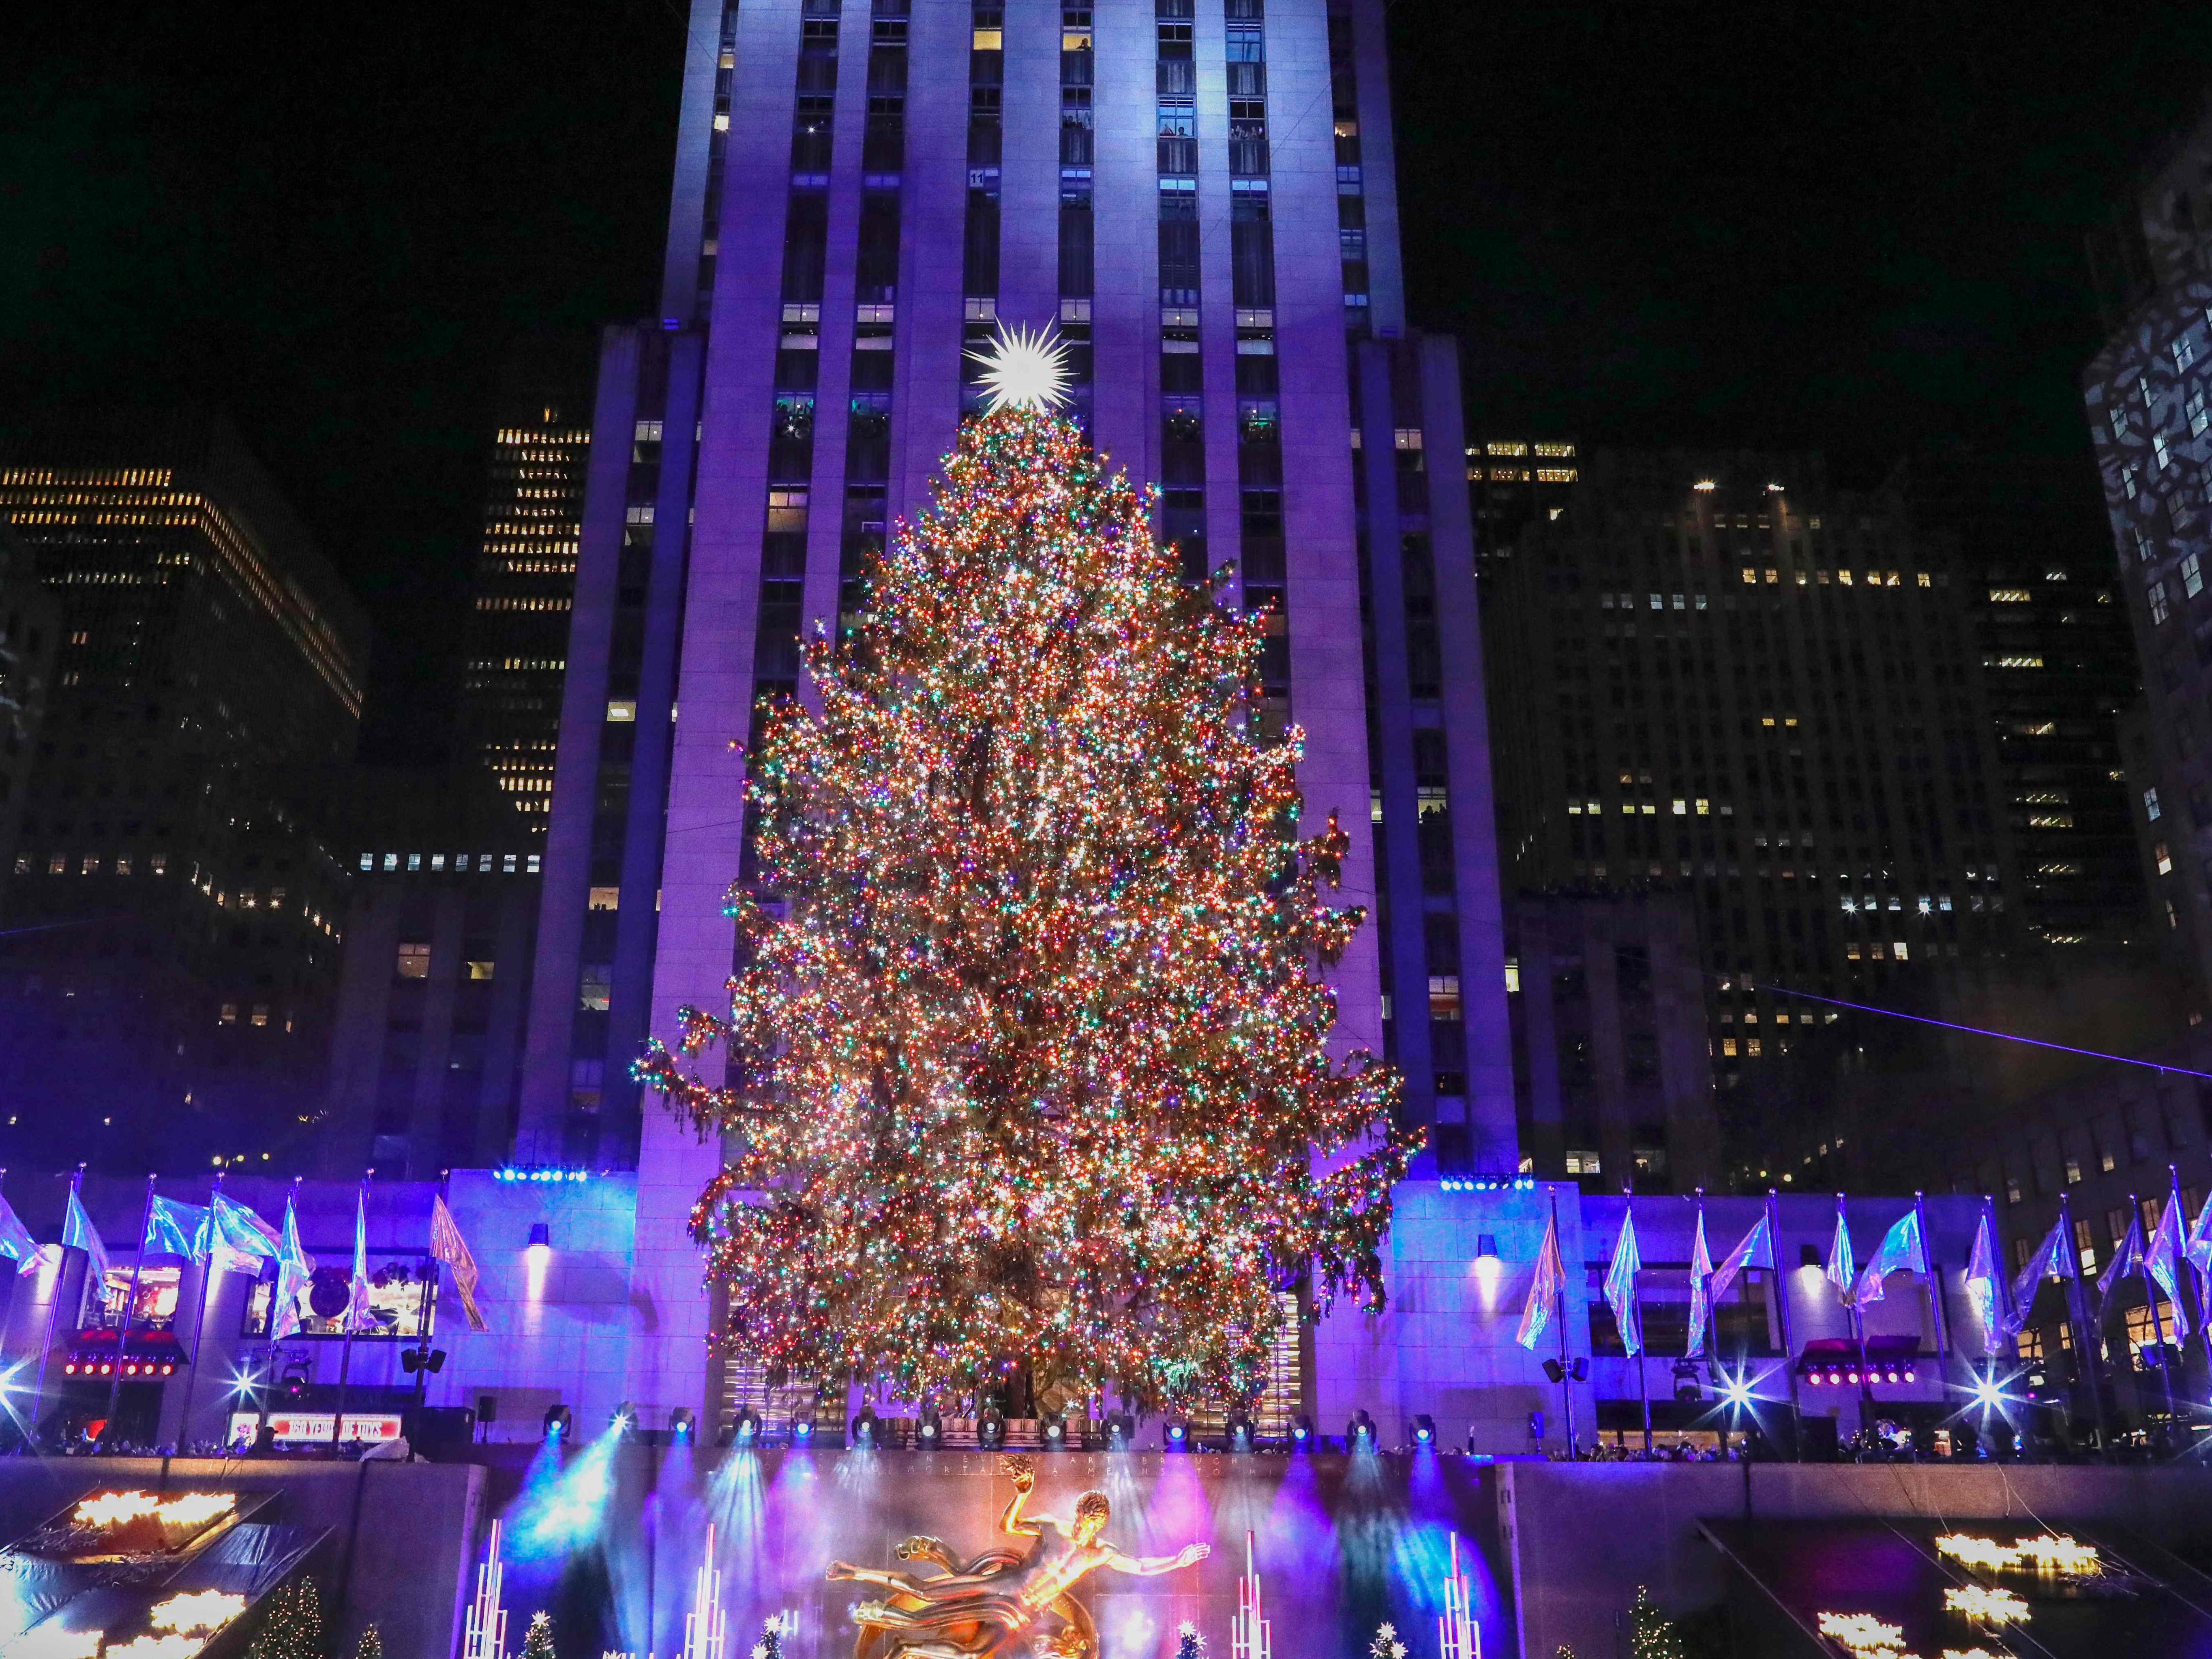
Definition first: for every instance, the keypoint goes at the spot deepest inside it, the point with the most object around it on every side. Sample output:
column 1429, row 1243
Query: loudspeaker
column 437, row 1431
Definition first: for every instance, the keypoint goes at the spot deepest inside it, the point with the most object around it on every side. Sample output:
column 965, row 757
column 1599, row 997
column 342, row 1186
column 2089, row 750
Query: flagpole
column 2203, row 1289
column 131, row 1311
column 430, row 1301
column 345, row 1353
column 1636, row 1305
column 268, row 1363
column 199, row 1324
column 1935, row 1296
column 1782, row 1309
column 10, row 1307
column 1567, row 1365
column 1858, row 1323
column 2077, row 1314
column 2150, row 1297
column 53, row 1308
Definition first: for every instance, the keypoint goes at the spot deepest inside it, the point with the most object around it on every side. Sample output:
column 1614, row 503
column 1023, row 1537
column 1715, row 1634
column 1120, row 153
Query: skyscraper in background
column 517, row 644
column 1198, row 195
column 2148, row 394
column 172, row 903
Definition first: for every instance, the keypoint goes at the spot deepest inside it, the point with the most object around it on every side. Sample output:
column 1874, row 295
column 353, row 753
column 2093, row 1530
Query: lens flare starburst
column 1023, row 369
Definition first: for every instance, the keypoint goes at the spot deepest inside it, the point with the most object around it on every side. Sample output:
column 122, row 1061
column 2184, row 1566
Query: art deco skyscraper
column 1197, row 194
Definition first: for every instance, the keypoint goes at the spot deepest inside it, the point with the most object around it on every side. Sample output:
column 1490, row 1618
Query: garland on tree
column 1650, row 1636
column 371, row 1645
column 293, row 1627
column 537, row 1640
column 1027, row 1042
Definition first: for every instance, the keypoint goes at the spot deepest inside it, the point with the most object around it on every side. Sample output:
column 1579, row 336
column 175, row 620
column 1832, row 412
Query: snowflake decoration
column 1386, row 1645
column 1023, row 369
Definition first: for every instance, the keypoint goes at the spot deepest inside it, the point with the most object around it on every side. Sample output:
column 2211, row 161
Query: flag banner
column 1901, row 1251
column 2162, row 1262
column 295, row 1271
column 1757, row 1250
column 238, row 1240
column 1620, row 1286
column 448, row 1245
column 1840, row 1270
column 1701, row 1269
column 1982, row 1282
column 1543, row 1290
column 357, row 1315
column 79, row 1233
column 2053, row 1257
column 2125, row 1261
column 15, row 1241
column 174, row 1229
column 2198, row 1248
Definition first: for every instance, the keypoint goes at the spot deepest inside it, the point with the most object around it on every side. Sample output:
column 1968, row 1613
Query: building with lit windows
column 174, row 908
column 1514, row 482
column 1718, row 674
column 517, row 631
column 1155, row 182
column 2149, row 397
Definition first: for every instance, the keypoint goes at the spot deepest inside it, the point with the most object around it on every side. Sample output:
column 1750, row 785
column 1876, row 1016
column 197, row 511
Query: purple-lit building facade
column 1155, row 181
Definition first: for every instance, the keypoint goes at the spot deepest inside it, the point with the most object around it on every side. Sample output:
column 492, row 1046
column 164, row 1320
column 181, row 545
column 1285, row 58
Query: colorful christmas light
column 1026, row 1046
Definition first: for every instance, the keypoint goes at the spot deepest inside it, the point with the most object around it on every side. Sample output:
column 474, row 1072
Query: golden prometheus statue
column 1017, row 1598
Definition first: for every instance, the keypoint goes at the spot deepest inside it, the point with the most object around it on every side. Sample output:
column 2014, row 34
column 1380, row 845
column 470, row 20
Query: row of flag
column 2003, row 1311
column 230, row 1235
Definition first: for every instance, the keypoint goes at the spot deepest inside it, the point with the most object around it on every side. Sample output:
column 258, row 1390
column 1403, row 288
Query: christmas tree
column 1650, row 1635
column 537, row 1640
column 1189, row 1645
column 771, row 1645
column 293, row 1627
column 1027, row 1037
column 371, row 1645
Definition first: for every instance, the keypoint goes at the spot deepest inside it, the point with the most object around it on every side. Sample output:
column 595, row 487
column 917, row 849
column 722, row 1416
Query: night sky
column 1859, row 229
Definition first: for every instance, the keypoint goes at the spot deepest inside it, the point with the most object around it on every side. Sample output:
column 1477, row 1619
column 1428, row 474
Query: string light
column 1028, row 1034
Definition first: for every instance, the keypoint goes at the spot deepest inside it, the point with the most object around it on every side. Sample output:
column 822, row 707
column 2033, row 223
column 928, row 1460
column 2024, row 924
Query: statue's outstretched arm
column 1023, row 1472
column 1151, row 1566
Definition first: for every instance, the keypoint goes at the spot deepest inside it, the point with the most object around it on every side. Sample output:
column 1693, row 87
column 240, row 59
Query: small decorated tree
column 294, row 1626
column 371, row 1645
column 538, row 1641
column 1189, row 1644
column 771, row 1645
column 1386, row 1645
column 1649, row 1634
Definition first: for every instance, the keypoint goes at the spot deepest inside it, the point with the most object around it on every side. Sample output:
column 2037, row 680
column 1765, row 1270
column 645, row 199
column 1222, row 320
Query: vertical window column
column 1078, row 239
column 979, row 264
column 1351, row 197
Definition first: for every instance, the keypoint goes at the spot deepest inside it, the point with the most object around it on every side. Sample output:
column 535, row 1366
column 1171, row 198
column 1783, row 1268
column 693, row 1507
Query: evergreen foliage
column 293, row 1626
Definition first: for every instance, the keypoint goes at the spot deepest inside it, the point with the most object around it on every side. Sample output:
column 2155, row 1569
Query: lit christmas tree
column 537, row 1640
column 293, row 1628
column 1650, row 1635
column 1189, row 1644
column 371, row 1645
column 1028, row 1031
column 771, row 1645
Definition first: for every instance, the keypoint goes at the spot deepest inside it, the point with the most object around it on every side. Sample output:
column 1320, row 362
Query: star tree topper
column 1024, row 369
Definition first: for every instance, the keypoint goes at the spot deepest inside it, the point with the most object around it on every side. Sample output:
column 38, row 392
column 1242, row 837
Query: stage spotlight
column 1737, row 1391
column 866, row 1430
column 557, row 1419
column 748, row 1426
column 1121, row 1430
column 1302, row 1433
column 1175, row 1438
column 1054, row 1432
column 929, row 1430
column 1359, row 1433
column 802, row 1429
column 991, row 1429
column 1243, row 1432
column 624, row 1420
column 683, row 1422
column 1686, row 1387
column 1425, row 1430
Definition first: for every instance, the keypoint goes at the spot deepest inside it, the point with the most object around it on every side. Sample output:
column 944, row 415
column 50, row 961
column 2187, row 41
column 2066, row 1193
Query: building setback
column 2148, row 397
column 1717, row 673
column 1152, row 182
column 174, row 913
